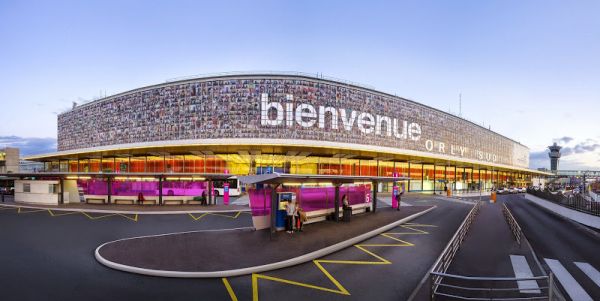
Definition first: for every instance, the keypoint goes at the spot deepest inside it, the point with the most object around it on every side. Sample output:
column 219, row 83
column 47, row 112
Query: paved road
column 562, row 246
column 48, row 256
column 45, row 257
column 490, row 250
column 362, row 275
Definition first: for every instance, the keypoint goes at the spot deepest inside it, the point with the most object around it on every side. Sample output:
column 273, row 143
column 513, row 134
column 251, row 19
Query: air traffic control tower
column 554, row 155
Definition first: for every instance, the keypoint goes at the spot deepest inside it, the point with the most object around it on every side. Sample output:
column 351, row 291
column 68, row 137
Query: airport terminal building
column 243, row 124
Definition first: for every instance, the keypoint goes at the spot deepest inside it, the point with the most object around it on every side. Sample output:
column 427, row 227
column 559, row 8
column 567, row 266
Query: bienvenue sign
column 290, row 114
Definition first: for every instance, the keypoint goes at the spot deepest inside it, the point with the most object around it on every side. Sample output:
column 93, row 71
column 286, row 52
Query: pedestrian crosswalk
column 569, row 274
column 522, row 270
column 569, row 283
column 590, row 271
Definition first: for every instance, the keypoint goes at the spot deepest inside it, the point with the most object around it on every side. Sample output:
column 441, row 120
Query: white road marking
column 522, row 270
column 590, row 271
column 574, row 290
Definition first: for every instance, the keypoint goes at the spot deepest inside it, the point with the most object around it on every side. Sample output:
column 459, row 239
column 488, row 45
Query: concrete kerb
column 256, row 269
column 125, row 211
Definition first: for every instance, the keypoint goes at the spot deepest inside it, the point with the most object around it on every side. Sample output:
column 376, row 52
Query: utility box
column 283, row 198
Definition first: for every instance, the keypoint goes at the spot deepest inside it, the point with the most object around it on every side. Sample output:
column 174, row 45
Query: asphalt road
column 554, row 237
column 358, row 272
column 44, row 257
column 47, row 256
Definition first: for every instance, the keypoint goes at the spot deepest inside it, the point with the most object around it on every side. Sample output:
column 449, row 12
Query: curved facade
column 281, row 110
column 288, row 123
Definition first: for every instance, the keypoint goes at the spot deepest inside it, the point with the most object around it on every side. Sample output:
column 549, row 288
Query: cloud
column 573, row 157
column 563, row 140
column 581, row 148
column 30, row 145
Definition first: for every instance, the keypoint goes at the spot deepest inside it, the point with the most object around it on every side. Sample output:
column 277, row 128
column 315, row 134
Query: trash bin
column 347, row 214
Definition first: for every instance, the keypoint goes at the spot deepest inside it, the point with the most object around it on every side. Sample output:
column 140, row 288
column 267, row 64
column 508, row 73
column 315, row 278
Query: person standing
column 291, row 213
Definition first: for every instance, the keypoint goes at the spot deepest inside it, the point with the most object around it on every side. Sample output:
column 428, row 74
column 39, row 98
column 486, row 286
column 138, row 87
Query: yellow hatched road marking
column 199, row 217
column 134, row 218
column 61, row 214
column 229, row 290
column 236, row 215
column 30, row 211
column 54, row 214
column 98, row 217
column 417, row 224
column 340, row 289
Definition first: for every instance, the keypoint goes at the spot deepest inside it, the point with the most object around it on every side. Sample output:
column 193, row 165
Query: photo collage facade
column 230, row 109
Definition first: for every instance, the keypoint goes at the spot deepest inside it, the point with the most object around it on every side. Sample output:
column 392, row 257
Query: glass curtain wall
column 451, row 177
column 122, row 164
column 440, row 178
column 428, row 177
column 386, row 169
column 416, row 177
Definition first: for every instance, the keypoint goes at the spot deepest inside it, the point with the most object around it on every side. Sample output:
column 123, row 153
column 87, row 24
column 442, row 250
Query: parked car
column 522, row 189
column 513, row 190
column 502, row 190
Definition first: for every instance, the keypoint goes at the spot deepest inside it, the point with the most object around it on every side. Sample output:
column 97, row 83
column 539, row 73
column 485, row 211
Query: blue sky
column 528, row 69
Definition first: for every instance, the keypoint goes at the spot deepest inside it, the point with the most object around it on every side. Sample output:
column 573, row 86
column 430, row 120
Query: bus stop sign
column 226, row 193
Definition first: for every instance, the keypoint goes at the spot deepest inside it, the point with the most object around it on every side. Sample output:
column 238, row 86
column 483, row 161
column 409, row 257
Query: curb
column 126, row 211
column 256, row 269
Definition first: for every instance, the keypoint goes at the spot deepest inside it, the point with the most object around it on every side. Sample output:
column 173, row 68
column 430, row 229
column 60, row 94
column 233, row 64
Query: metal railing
column 443, row 262
column 572, row 201
column 512, row 223
column 491, row 288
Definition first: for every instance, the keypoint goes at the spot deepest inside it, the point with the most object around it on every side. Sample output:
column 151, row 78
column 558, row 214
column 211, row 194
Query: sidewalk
column 130, row 209
column 240, row 252
column 580, row 217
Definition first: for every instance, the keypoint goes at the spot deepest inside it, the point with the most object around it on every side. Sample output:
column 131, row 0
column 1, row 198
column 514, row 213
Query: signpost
column 395, row 196
column 395, row 193
column 226, row 193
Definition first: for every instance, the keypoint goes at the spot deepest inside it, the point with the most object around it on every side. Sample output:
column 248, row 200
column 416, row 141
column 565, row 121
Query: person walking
column 291, row 213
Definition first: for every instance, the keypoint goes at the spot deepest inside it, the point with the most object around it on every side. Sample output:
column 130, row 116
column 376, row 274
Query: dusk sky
column 530, row 70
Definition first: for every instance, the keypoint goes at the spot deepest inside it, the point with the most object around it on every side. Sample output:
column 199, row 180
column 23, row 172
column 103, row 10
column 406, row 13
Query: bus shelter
column 111, row 187
column 264, row 200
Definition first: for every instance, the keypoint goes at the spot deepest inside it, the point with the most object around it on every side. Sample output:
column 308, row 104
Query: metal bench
column 124, row 201
column 148, row 202
column 173, row 202
column 321, row 215
column 95, row 201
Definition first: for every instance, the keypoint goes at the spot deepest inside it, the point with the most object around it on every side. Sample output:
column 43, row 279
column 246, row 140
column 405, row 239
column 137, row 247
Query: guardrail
column 443, row 262
column 576, row 202
column 512, row 223
column 498, row 288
